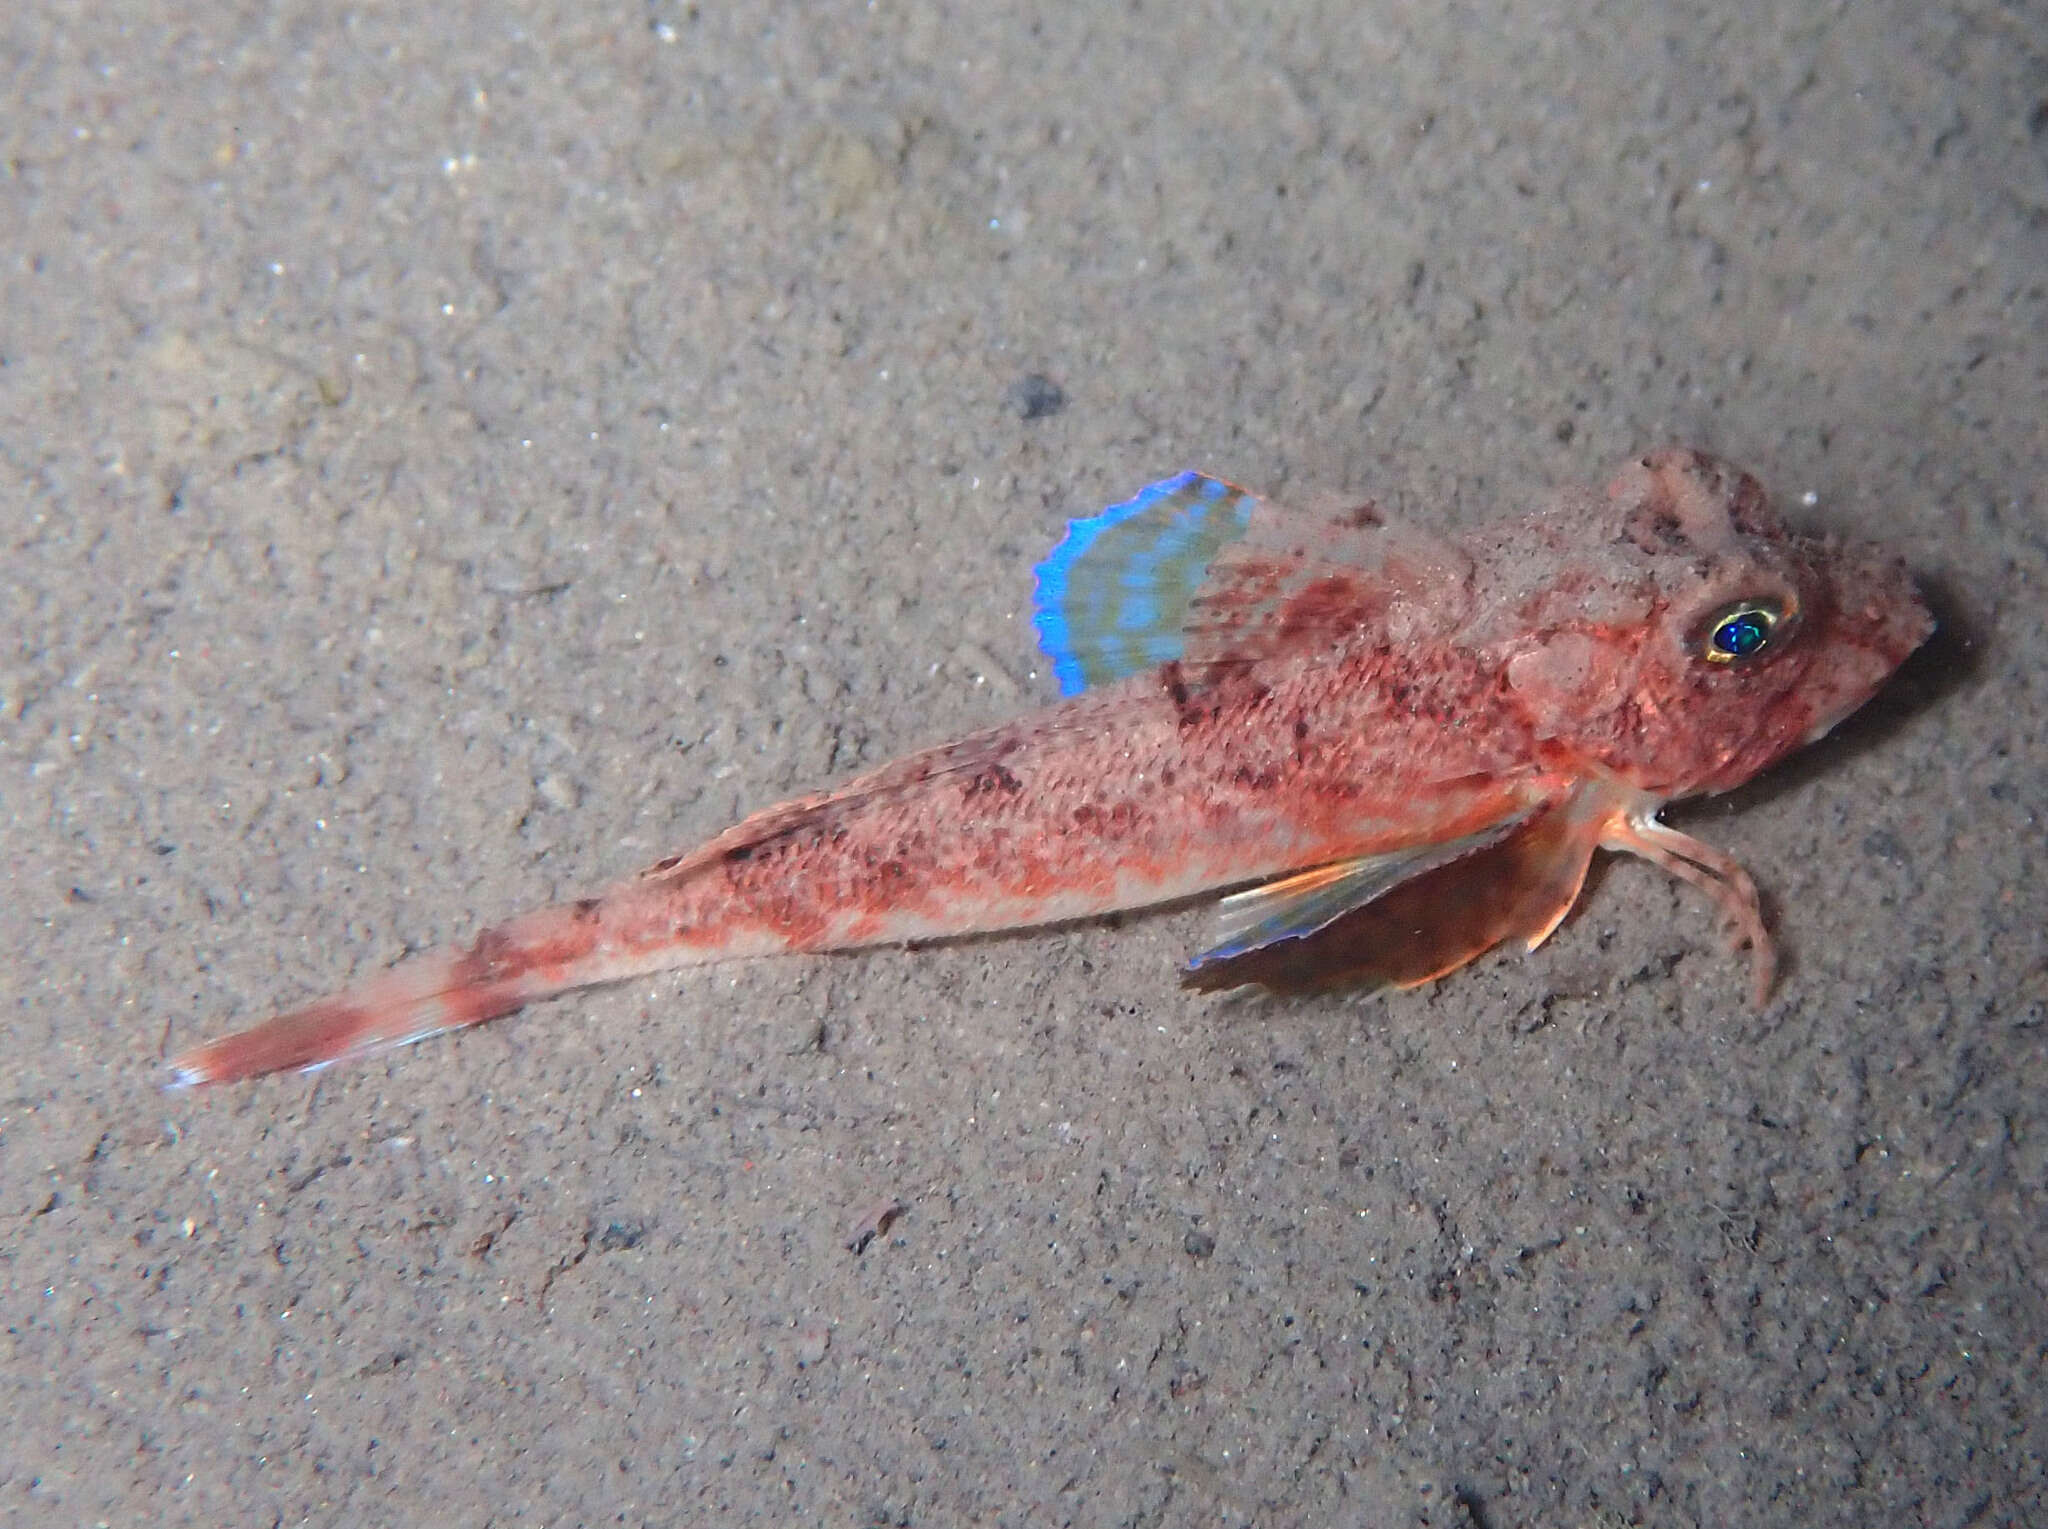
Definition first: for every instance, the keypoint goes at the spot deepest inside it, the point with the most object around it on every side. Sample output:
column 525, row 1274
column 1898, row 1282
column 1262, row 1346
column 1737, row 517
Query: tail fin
column 506, row 968
column 423, row 997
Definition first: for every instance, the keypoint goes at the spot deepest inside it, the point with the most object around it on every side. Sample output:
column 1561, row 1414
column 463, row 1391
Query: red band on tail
column 391, row 1011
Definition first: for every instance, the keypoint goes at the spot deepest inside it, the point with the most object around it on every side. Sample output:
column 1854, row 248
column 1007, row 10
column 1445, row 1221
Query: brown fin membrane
column 1520, row 886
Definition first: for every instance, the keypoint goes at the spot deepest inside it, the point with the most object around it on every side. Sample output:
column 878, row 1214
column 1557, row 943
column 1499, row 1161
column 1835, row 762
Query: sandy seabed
column 450, row 463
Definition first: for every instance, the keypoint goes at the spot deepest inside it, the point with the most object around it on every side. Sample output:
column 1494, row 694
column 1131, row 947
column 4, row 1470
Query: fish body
column 1404, row 748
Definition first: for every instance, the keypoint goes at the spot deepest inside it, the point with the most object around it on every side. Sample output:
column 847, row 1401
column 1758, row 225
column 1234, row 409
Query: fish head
column 1675, row 635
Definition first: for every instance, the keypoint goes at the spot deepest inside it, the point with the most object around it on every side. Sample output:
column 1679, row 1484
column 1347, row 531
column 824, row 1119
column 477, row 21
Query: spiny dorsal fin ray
column 1300, row 585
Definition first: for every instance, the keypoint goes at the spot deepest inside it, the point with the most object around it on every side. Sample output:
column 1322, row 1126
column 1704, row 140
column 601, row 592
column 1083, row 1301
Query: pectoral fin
column 1408, row 923
column 1298, row 906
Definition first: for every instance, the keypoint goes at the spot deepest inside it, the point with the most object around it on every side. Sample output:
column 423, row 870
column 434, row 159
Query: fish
column 1391, row 749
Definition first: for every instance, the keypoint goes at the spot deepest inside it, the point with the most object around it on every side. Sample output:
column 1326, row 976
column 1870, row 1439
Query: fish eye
column 1742, row 631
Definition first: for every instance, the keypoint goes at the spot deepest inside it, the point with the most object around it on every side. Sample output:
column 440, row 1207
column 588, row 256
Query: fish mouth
column 1828, row 721
column 1892, row 648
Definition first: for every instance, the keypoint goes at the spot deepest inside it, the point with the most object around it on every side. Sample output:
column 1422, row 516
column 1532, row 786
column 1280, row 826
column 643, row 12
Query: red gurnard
column 1404, row 746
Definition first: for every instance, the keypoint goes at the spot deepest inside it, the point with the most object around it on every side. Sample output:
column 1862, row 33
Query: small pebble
column 1035, row 396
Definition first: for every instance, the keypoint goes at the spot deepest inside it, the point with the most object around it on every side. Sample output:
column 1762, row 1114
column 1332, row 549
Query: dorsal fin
column 1197, row 570
column 1113, row 596
column 1297, row 584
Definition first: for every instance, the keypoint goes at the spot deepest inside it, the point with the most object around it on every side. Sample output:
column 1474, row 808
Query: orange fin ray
column 1717, row 874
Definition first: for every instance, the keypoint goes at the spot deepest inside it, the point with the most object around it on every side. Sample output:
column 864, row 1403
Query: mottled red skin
column 1143, row 785
column 1412, row 692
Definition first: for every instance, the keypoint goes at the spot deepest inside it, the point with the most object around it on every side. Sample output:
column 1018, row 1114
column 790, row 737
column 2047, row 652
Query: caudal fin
column 507, row 967
column 423, row 997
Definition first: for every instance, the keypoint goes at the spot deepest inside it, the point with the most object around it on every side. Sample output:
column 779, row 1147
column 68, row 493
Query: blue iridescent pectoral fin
column 1113, row 597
